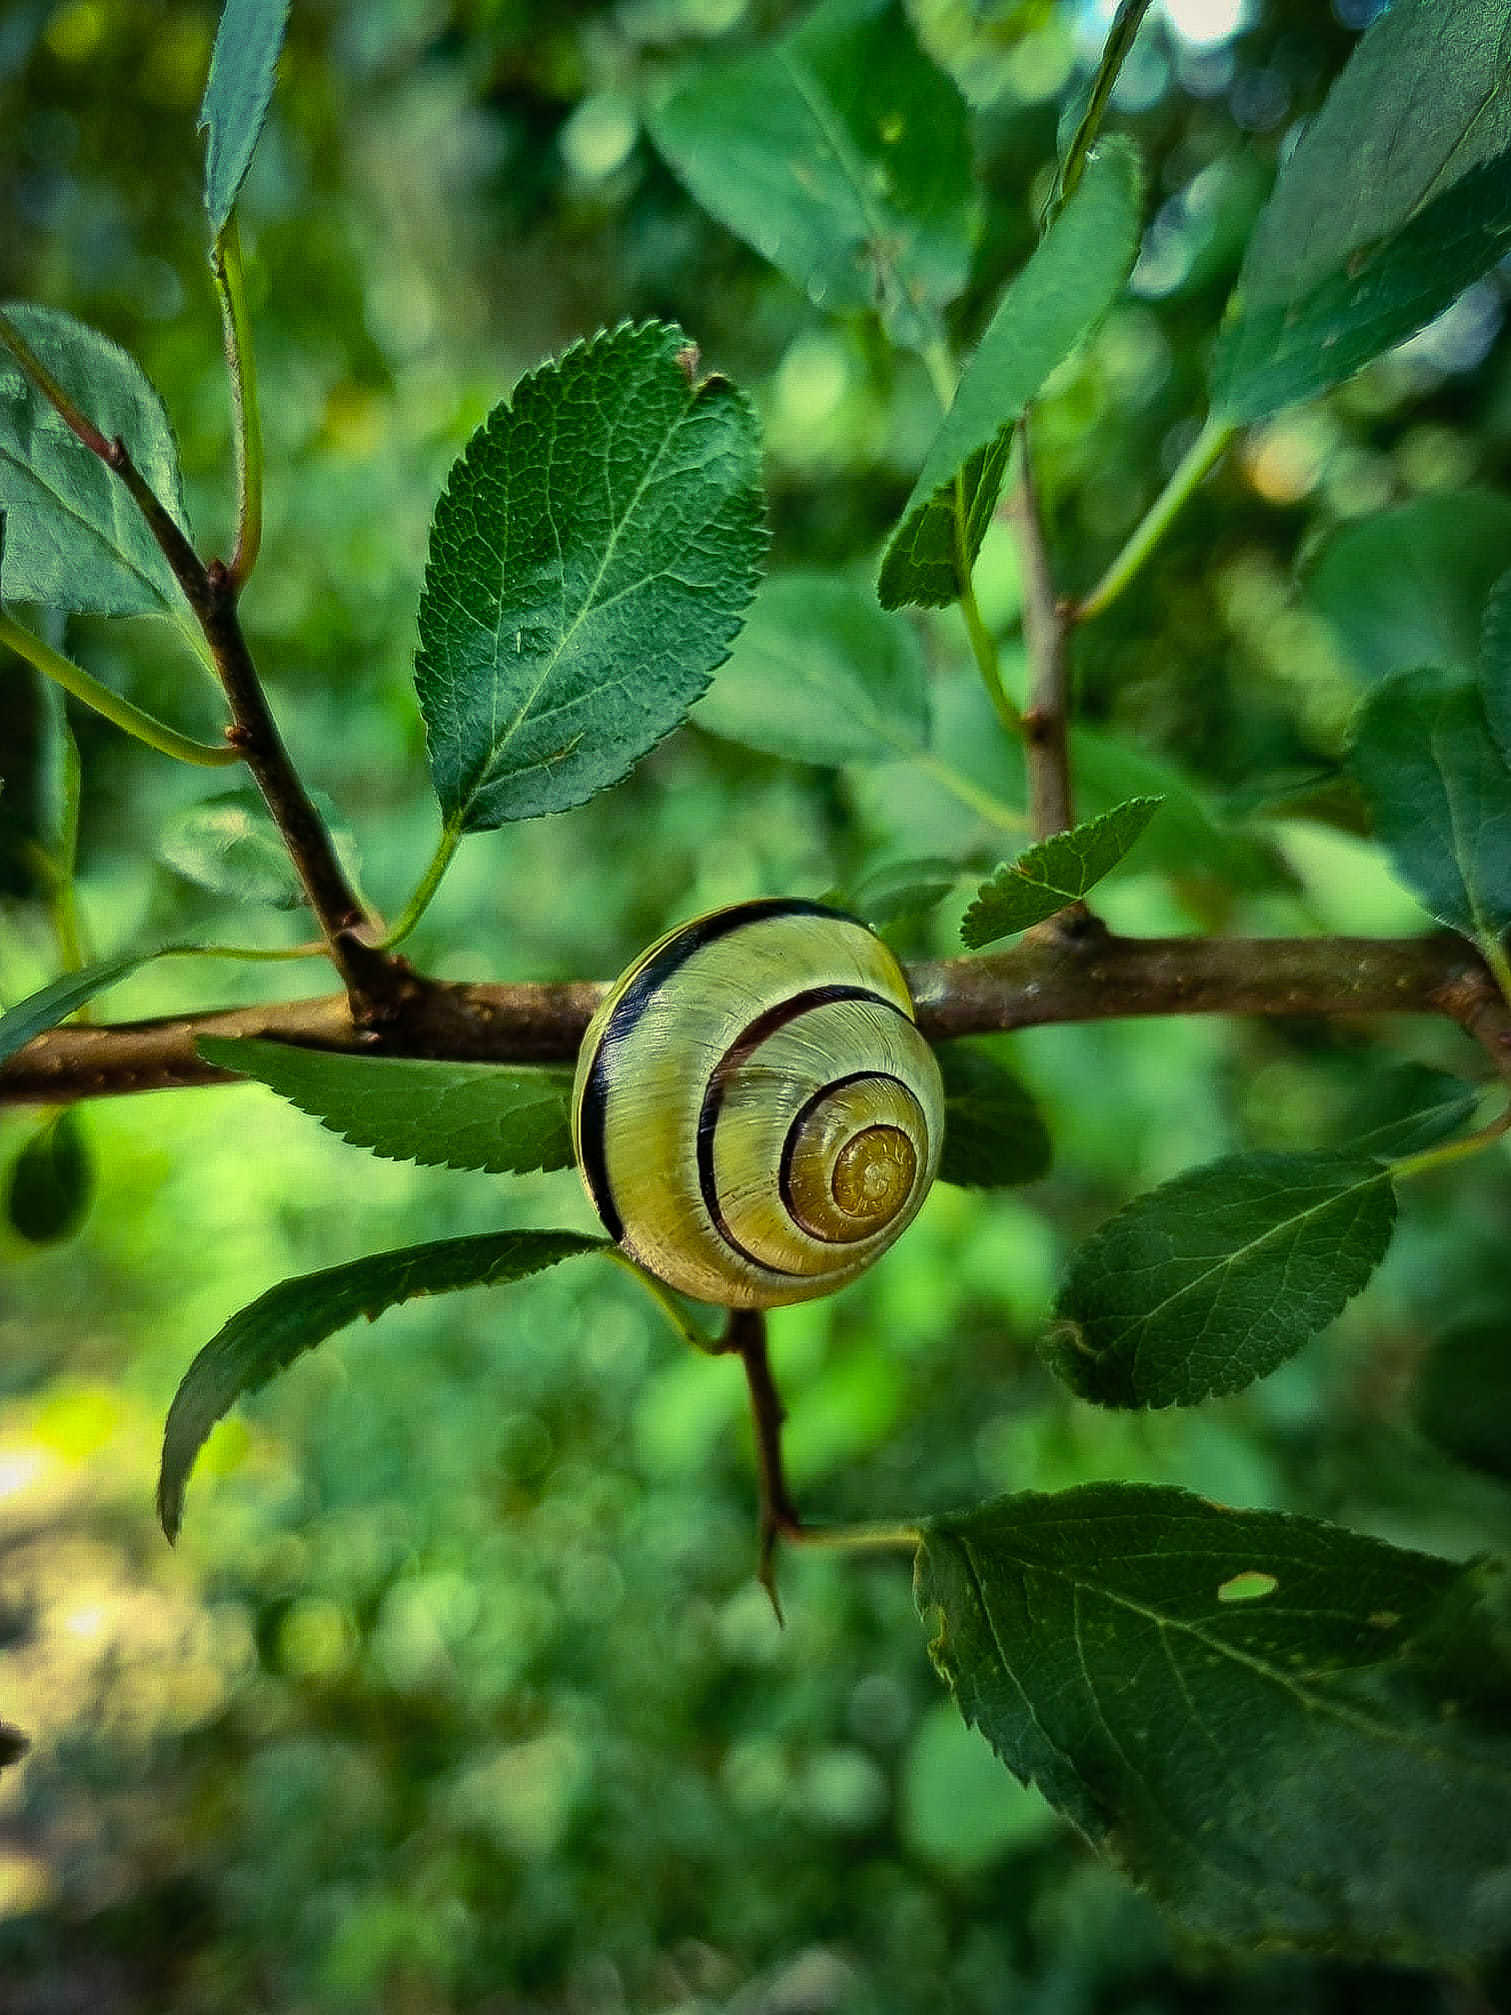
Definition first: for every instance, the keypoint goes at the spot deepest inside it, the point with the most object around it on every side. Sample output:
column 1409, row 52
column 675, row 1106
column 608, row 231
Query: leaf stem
column 661, row 1295
column 1115, row 51
column 996, row 811
column 144, row 726
column 859, row 1538
column 1453, row 1150
column 1151, row 528
column 430, row 881
column 236, row 328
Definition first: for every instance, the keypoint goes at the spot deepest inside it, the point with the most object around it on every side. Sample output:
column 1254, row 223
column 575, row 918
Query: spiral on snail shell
column 755, row 1114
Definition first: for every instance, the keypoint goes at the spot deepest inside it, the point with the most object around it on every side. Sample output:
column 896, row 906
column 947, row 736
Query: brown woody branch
column 1054, row 978
column 1046, row 639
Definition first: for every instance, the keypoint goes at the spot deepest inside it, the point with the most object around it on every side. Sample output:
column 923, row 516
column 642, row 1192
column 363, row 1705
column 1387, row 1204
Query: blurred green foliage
column 459, row 1692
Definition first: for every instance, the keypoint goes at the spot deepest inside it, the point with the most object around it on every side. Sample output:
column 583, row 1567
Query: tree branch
column 1056, row 978
column 1046, row 637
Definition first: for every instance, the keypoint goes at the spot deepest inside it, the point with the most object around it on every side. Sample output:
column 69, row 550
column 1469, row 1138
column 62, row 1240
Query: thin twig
column 1034, row 983
column 246, row 417
column 1046, row 640
column 746, row 1336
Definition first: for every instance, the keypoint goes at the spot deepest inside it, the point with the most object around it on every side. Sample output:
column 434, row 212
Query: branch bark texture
column 1055, row 977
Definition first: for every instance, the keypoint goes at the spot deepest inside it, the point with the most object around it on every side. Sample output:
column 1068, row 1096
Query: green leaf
column 1407, row 587
column 51, row 1182
column 1054, row 872
column 1067, row 286
column 243, row 65
column 1495, row 662
column 1440, row 793
column 1289, row 1733
column 590, row 561
column 1462, row 1397
column 272, row 1331
column 74, row 538
column 843, row 156
column 229, row 845
column 1397, row 196
column 45, row 1009
column 1213, row 1279
column 994, row 1136
column 887, row 894
column 821, row 675
column 1406, row 1111
column 445, row 1115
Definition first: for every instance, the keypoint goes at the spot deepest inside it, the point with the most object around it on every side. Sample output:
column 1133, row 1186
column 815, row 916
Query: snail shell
column 756, row 1116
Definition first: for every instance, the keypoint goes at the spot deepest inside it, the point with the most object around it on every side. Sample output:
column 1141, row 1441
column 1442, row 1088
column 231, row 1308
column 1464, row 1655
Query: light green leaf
column 1440, row 793
column 1212, row 1280
column 1289, row 1733
column 1069, row 283
column 272, row 1331
column 994, row 1135
column 896, row 890
column 1054, row 872
column 821, row 675
column 1407, row 587
column 51, row 1181
column 445, row 1115
column 842, row 155
column 243, row 66
column 590, row 561
column 74, row 539
column 229, row 845
column 54, row 1003
column 1397, row 196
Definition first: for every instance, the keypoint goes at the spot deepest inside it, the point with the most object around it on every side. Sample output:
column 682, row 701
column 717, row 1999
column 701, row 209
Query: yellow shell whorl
column 756, row 1116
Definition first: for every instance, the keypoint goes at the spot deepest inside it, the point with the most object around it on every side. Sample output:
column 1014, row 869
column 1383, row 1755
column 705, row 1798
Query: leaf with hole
column 444, row 1115
column 821, row 675
column 1290, row 1734
column 994, row 1134
column 1396, row 197
column 1212, row 1280
column 590, row 563
column 843, row 156
column 1054, row 872
column 272, row 1331
column 74, row 539
column 1070, row 281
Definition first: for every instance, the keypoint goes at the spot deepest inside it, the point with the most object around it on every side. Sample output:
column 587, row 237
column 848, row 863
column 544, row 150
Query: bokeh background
column 458, row 1692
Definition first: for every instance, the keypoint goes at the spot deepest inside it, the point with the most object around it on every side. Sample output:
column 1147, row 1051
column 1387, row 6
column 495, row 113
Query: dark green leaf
column 272, row 1331
column 1215, row 1278
column 1462, row 1399
column 13, row 1744
column 74, row 539
column 243, row 65
column 1069, row 283
column 1054, row 872
column 1407, row 1110
column 1407, row 587
column 822, row 675
column 1397, row 196
column 51, row 1182
column 1495, row 663
column 842, row 155
column 590, row 562
column 994, row 1136
column 901, row 889
column 45, row 1009
column 1290, row 1733
column 447, row 1115
column 1440, row 793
